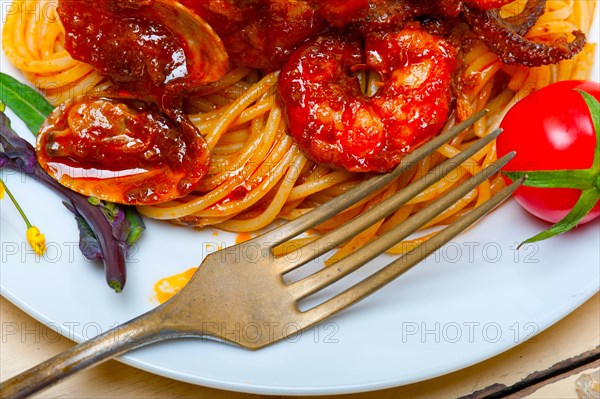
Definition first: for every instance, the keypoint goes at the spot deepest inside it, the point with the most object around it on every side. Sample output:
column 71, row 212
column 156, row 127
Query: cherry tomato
column 551, row 129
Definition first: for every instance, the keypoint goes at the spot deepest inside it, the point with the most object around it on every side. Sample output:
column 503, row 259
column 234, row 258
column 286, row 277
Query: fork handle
column 138, row 332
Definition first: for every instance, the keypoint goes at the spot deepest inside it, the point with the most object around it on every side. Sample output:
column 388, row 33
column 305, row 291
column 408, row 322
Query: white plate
column 473, row 299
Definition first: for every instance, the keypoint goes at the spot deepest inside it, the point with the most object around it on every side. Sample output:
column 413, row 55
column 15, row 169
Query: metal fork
column 229, row 290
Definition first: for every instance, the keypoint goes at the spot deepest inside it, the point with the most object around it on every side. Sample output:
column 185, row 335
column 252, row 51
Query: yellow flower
column 34, row 237
column 36, row 240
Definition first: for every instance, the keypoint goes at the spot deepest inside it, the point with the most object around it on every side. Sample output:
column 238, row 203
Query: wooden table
column 543, row 367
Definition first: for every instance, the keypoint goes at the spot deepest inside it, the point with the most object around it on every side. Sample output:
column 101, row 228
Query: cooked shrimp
column 336, row 124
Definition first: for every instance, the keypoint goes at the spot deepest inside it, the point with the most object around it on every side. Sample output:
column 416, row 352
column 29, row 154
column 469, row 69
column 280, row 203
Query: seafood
column 336, row 124
column 133, row 144
column 122, row 150
column 504, row 36
column 158, row 52
column 393, row 14
column 157, row 48
column 263, row 33
column 506, row 40
column 260, row 33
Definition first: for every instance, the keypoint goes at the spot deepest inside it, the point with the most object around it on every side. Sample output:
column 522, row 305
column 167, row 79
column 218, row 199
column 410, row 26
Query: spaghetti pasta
column 257, row 173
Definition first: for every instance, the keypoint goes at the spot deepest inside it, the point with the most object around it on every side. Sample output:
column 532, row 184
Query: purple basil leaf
column 88, row 242
column 15, row 148
column 120, row 225
column 110, row 231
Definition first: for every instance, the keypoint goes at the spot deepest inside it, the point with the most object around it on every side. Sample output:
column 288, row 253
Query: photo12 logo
column 485, row 252
column 467, row 332
column 322, row 333
column 18, row 252
column 37, row 10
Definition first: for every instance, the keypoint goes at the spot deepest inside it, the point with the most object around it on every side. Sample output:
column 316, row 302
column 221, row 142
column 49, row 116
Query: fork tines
column 345, row 232
column 321, row 279
column 404, row 263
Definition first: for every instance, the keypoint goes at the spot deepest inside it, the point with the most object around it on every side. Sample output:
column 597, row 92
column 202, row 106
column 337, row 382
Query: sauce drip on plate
column 167, row 287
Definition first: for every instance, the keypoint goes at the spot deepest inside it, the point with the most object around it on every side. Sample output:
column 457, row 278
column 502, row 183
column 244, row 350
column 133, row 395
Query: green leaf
column 28, row 104
column 594, row 107
column 584, row 205
column 136, row 225
column 580, row 179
